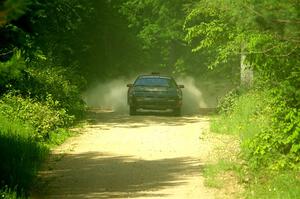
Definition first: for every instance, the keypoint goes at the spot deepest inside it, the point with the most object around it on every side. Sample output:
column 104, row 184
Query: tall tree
column 159, row 28
column 268, row 30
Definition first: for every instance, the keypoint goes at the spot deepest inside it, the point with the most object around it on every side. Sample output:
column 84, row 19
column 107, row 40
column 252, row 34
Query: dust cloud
column 112, row 95
column 193, row 98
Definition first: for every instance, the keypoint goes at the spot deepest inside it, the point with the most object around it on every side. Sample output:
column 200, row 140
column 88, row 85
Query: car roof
column 155, row 76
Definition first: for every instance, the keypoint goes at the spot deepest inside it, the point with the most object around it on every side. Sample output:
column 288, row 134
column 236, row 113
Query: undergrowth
column 20, row 155
column 39, row 101
column 29, row 128
column 45, row 117
column 268, row 124
column 213, row 173
column 245, row 115
column 277, row 185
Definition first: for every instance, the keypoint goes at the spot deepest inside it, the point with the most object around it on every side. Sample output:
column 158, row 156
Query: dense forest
column 52, row 51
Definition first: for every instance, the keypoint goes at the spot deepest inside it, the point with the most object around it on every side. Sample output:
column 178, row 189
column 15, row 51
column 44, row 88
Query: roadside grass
column 223, row 170
column 21, row 155
column 245, row 119
column 59, row 137
column 283, row 185
column 249, row 116
column 214, row 173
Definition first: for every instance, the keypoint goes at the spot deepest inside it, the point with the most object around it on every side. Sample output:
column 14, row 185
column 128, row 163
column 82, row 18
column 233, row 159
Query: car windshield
column 155, row 81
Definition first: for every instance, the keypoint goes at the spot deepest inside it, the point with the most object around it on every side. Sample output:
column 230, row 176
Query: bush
column 38, row 78
column 11, row 70
column 20, row 156
column 43, row 117
column 268, row 122
column 27, row 129
column 278, row 147
column 246, row 116
column 268, row 126
column 63, row 86
column 226, row 103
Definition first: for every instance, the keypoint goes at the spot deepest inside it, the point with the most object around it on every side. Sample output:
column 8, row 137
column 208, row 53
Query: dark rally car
column 154, row 92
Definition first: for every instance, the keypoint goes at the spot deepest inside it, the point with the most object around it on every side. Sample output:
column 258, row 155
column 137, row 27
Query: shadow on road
column 109, row 176
column 109, row 119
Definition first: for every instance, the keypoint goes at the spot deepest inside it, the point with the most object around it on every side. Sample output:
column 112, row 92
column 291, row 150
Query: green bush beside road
column 268, row 127
column 20, row 155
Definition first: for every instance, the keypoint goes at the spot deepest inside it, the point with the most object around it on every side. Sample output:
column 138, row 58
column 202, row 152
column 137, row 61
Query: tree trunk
column 246, row 70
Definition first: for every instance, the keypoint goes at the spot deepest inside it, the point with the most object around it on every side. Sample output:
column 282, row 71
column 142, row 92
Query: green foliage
column 7, row 193
column 62, row 85
column 47, row 99
column 209, row 28
column 20, row 156
column 213, row 173
column 12, row 9
column 57, row 26
column 268, row 124
column 89, row 38
column 43, row 117
column 284, row 185
column 27, row 129
column 266, row 118
column 59, row 137
column 63, row 42
column 52, row 85
column 12, row 69
column 268, row 127
column 159, row 22
column 278, row 147
column 158, row 25
column 226, row 103
column 245, row 115
column 265, row 31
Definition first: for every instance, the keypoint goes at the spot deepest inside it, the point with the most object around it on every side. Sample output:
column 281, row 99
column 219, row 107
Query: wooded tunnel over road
column 118, row 156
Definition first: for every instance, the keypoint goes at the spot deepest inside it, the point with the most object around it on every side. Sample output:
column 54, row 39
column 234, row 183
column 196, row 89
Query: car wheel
column 132, row 110
column 177, row 111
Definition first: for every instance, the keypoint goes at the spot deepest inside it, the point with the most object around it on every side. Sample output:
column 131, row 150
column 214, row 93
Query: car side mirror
column 181, row 86
column 129, row 85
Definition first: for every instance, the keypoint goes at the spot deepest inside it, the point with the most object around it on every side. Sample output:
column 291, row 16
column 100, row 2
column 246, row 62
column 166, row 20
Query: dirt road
column 118, row 156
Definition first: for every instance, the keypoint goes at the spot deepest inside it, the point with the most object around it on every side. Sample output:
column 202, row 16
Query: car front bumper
column 155, row 103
